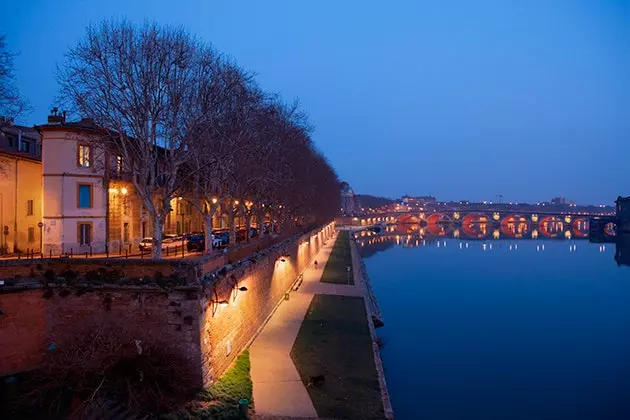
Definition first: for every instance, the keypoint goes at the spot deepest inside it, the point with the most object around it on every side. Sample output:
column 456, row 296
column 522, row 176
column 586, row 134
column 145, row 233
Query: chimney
column 55, row 118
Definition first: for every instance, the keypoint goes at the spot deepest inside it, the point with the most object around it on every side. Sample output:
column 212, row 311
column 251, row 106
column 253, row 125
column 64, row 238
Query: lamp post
column 181, row 212
column 40, row 225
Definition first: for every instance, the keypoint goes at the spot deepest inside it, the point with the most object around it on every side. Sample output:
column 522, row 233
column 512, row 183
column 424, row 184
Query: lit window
column 85, row 233
column 119, row 164
column 84, row 156
column 84, row 199
column 29, row 208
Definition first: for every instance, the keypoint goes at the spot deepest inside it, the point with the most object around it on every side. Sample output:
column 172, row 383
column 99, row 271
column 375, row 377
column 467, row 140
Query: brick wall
column 190, row 317
column 227, row 329
column 132, row 268
column 34, row 319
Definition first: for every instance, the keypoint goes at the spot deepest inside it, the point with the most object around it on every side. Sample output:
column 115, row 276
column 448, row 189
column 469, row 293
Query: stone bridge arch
column 515, row 226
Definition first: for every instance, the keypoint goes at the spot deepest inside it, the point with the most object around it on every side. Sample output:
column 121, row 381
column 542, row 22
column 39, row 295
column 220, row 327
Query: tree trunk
column 231, row 226
column 261, row 222
column 156, row 250
column 207, row 219
column 248, row 222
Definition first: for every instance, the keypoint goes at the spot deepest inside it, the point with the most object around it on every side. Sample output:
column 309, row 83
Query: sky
column 464, row 100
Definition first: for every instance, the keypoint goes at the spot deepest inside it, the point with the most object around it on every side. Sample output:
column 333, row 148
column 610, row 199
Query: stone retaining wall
column 208, row 321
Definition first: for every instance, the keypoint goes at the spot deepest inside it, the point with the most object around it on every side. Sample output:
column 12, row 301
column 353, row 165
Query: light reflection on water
column 507, row 329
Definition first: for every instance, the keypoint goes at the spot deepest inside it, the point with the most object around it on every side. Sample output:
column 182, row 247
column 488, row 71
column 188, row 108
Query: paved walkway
column 278, row 389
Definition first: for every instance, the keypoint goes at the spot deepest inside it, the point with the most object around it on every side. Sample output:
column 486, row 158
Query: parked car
column 169, row 238
column 146, row 244
column 220, row 239
column 195, row 243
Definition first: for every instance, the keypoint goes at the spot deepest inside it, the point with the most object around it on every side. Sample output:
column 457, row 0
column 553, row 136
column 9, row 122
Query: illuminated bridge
column 483, row 223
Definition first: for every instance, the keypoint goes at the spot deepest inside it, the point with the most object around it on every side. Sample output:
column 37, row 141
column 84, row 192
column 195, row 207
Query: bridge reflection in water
column 494, row 224
column 482, row 233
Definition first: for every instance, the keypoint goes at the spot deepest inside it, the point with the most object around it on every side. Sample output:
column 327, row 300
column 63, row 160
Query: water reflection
column 472, row 233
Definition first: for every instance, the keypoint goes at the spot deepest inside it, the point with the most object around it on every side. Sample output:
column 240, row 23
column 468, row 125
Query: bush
column 110, row 367
column 222, row 400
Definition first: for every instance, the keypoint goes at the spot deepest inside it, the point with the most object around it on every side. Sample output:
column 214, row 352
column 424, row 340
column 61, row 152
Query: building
column 623, row 214
column 418, row 201
column 20, row 188
column 90, row 204
column 58, row 195
column 349, row 201
column 561, row 201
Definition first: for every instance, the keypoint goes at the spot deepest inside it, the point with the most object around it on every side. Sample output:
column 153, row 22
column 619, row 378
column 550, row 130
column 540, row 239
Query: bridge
column 483, row 223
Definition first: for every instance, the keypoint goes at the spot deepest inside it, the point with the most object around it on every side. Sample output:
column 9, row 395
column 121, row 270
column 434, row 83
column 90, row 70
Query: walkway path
column 278, row 389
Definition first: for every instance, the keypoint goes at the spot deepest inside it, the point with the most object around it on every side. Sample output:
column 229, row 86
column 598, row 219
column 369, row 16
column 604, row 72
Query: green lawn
column 334, row 341
column 221, row 400
column 336, row 270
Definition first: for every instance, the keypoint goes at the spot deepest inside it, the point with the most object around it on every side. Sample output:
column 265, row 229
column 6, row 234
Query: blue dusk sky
column 459, row 99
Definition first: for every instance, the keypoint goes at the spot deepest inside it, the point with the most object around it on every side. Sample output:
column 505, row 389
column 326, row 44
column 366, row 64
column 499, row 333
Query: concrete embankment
column 374, row 319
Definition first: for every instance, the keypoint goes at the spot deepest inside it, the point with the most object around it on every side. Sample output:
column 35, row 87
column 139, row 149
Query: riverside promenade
column 278, row 388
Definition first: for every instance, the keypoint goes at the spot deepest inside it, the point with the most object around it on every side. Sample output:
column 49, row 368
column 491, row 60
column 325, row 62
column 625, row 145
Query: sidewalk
column 278, row 388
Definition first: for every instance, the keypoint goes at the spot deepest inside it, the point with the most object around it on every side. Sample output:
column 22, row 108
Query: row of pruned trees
column 188, row 122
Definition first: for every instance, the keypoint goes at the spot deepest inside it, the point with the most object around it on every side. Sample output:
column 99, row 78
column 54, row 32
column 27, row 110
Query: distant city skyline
column 462, row 101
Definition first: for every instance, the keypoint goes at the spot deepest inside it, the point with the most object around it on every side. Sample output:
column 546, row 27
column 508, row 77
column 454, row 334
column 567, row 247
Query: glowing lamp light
column 123, row 190
column 236, row 202
column 214, row 200
column 224, row 303
column 113, row 190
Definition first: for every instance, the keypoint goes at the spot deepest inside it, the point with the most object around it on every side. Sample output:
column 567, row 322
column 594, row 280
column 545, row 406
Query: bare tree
column 141, row 85
column 12, row 105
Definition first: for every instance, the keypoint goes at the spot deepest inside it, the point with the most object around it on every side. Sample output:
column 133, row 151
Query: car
column 195, row 243
column 168, row 238
column 146, row 244
column 220, row 239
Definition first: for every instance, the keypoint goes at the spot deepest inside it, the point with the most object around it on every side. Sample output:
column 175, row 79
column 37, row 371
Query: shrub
column 110, row 366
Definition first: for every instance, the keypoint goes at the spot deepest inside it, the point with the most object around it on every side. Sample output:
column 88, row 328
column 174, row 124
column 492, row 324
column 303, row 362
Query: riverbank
column 318, row 354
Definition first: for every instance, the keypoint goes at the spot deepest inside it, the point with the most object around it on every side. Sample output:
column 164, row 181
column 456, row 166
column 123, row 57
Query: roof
column 85, row 124
column 16, row 131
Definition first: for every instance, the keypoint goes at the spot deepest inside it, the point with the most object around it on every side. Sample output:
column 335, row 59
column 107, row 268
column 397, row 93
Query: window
column 144, row 229
column 29, row 207
column 11, row 141
column 179, row 227
column 84, row 156
column 31, row 235
column 126, row 232
column 84, row 233
column 119, row 165
column 84, row 196
column 25, row 146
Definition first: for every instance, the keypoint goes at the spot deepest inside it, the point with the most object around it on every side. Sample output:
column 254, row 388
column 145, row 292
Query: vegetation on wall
column 229, row 398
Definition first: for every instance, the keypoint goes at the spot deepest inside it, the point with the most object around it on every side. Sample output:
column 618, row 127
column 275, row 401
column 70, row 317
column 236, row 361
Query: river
column 502, row 329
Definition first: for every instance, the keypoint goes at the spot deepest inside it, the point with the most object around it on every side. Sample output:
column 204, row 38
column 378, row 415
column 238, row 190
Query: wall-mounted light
column 215, row 302
column 123, row 190
column 236, row 288
column 214, row 200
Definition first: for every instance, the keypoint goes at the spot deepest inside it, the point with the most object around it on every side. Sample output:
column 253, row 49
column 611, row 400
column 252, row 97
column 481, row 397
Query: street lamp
column 181, row 212
column 40, row 225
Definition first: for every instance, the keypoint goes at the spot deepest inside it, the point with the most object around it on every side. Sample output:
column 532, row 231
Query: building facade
column 89, row 202
column 20, row 188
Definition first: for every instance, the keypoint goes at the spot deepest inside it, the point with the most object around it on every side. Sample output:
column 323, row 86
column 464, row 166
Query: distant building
column 561, row 201
column 20, row 187
column 349, row 203
column 418, row 201
column 623, row 214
